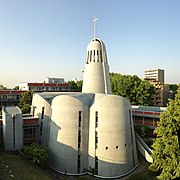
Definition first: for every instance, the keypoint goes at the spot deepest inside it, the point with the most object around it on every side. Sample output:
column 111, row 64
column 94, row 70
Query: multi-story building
column 147, row 115
column 54, row 80
column 156, row 78
column 155, row 74
column 44, row 87
column 10, row 97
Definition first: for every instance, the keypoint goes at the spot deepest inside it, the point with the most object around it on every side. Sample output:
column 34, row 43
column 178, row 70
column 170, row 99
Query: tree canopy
column 137, row 91
column 76, row 85
column 166, row 153
column 25, row 101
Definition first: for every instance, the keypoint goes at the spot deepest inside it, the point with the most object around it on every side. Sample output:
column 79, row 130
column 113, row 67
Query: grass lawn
column 13, row 166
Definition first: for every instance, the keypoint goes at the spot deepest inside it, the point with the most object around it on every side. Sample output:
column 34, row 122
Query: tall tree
column 76, row 85
column 166, row 153
column 25, row 101
column 137, row 91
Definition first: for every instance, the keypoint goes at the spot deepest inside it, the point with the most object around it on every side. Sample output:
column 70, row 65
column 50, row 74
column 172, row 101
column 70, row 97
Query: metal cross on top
column 95, row 19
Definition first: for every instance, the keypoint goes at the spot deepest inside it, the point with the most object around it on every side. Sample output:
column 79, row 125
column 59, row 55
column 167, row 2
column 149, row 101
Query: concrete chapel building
column 89, row 131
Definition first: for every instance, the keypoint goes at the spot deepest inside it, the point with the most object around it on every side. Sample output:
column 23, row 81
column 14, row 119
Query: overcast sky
column 48, row 38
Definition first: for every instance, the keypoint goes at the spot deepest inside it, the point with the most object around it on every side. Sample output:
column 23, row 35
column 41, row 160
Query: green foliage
column 2, row 87
column 36, row 153
column 137, row 91
column 166, row 153
column 142, row 130
column 76, row 85
column 16, row 88
column 25, row 101
column 172, row 90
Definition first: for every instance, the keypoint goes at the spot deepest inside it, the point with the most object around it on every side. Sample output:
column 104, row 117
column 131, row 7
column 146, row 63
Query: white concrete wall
column 63, row 141
column 38, row 102
column 93, row 80
column 116, row 150
column 12, row 137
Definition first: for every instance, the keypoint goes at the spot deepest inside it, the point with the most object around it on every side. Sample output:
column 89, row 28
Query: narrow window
column 118, row 147
column 78, row 164
column 106, row 148
column 79, row 119
column 42, row 114
column 96, row 118
column 33, row 111
column 79, row 139
column 90, row 55
column 101, row 56
column 96, row 165
column 96, row 140
column 96, row 137
column 94, row 56
column 97, row 56
column 41, row 128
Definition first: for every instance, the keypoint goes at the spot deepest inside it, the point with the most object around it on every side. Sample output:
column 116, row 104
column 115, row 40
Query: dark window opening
column 90, row 55
column 96, row 165
column 79, row 119
column 97, row 56
column 79, row 139
column 96, row 137
column 87, row 57
column 94, row 56
column 41, row 128
column 78, row 163
column 30, row 132
column 117, row 147
column 42, row 114
column 96, row 117
column 101, row 56
column 106, row 148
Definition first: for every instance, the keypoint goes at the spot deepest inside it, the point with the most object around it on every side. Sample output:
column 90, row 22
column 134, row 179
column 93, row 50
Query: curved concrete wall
column 93, row 80
column 112, row 140
column 39, row 103
column 65, row 129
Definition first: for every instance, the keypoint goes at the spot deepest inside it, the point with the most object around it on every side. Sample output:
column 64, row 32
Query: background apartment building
column 156, row 78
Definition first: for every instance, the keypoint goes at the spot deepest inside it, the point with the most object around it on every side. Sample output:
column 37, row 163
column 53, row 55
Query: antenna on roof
column 95, row 19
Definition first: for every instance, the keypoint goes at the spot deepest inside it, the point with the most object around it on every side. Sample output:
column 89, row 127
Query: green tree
column 25, row 101
column 137, row 91
column 36, row 153
column 172, row 90
column 76, row 85
column 79, row 85
column 166, row 153
column 16, row 88
column 2, row 87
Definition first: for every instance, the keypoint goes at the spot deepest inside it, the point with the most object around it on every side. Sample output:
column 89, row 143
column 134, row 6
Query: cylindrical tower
column 112, row 146
column 68, row 141
column 96, row 72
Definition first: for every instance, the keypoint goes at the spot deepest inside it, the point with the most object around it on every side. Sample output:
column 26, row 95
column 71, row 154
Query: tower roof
column 96, row 51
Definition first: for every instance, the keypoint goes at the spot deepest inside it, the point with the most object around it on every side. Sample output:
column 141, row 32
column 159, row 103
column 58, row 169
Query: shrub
column 142, row 130
column 36, row 153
